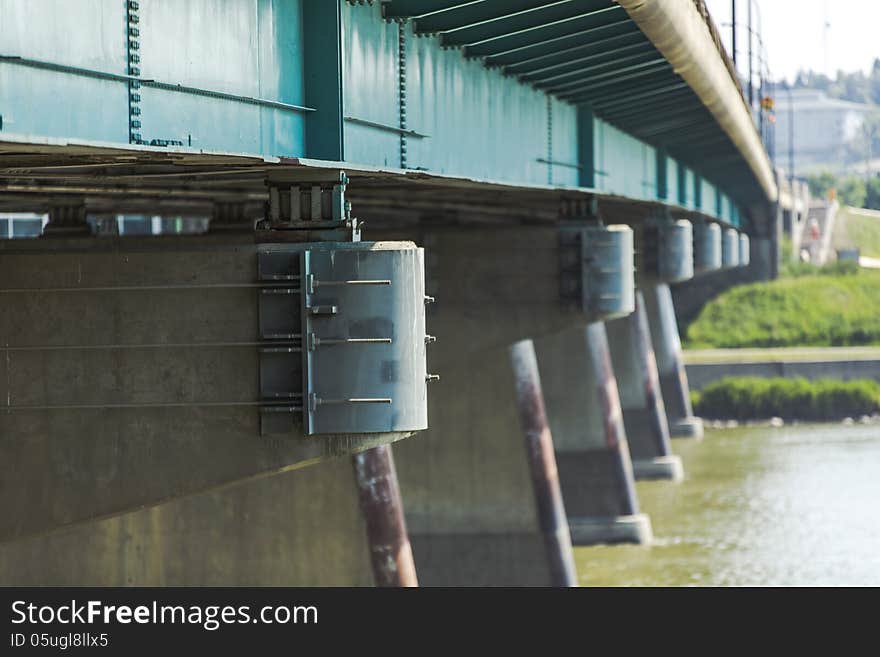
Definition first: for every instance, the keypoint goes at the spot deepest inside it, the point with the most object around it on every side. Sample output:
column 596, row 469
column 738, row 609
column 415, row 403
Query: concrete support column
column 670, row 363
column 644, row 414
column 595, row 470
column 483, row 505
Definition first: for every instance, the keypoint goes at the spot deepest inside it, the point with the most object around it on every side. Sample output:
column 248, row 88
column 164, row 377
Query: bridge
column 279, row 236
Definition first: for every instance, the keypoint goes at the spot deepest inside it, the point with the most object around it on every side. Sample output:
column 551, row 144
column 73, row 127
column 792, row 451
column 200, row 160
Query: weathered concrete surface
column 589, row 436
column 300, row 528
column 644, row 414
column 129, row 375
column 466, row 484
column 670, row 364
column 702, row 374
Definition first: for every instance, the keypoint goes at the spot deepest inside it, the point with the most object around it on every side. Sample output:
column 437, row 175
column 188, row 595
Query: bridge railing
column 716, row 37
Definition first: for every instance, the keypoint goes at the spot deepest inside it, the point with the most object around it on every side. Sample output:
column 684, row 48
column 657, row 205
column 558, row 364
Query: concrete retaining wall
column 702, row 374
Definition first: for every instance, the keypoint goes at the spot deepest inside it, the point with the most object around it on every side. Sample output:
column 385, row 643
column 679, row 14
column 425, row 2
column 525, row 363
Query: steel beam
column 417, row 8
column 611, row 45
column 587, row 91
column 588, row 81
column 574, row 64
column 546, row 38
column 640, row 113
column 481, row 13
column 668, row 91
column 322, row 75
column 578, row 72
column 508, row 24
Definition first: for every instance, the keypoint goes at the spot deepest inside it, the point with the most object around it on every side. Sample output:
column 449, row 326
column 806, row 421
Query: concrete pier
column 472, row 505
column 297, row 528
column 670, row 363
column 586, row 421
column 644, row 414
column 136, row 371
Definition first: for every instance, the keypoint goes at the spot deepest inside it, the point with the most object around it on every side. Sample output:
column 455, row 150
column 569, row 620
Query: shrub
column 834, row 307
column 748, row 398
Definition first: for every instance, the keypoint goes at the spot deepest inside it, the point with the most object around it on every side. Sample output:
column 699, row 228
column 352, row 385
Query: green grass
column 859, row 229
column 825, row 307
column 749, row 398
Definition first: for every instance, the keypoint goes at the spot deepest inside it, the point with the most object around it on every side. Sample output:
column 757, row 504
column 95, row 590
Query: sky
column 795, row 36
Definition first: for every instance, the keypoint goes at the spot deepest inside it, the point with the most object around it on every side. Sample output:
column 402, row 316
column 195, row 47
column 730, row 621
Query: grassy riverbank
column 858, row 228
column 750, row 398
column 820, row 307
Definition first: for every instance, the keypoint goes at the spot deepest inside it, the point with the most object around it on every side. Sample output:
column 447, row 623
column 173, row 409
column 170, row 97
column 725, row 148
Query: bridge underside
column 109, row 179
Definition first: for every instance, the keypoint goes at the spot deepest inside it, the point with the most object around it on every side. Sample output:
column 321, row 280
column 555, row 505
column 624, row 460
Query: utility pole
column 751, row 58
column 733, row 30
column 790, row 136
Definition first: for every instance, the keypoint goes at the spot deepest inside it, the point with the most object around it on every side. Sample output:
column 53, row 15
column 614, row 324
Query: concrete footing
column 586, row 421
column 621, row 529
column 670, row 363
column 644, row 413
column 661, row 467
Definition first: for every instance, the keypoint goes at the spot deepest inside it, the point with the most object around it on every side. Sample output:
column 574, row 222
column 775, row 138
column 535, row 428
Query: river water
column 797, row 505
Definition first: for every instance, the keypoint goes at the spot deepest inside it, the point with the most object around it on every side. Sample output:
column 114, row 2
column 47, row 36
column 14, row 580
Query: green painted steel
column 370, row 83
column 624, row 165
column 586, row 134
column 322, row 71
column 574, row 95
column 111, row 71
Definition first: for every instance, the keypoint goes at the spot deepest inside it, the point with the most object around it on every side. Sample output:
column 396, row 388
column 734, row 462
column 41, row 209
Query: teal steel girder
column 663, row 91
column 322, row 72
column 587, row 81
column 522, row 24
column 479, row 13
column 286, row 83
column 597, row 44
column 506, row 48
column 633, row 83
column 595, row 61
column 669, row 108
column 417, row 8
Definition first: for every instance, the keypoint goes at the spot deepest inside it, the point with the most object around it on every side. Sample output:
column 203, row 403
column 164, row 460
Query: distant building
column 823, row 128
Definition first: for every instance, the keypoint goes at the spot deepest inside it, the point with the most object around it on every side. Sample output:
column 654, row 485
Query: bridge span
column 279, row 236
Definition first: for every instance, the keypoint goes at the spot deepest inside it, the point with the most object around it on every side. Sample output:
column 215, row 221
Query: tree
column 872, row 195
column 852, row 192
column 820, row 183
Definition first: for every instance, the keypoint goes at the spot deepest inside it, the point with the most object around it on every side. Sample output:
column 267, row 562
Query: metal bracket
column 338, row 328
column 296, row 205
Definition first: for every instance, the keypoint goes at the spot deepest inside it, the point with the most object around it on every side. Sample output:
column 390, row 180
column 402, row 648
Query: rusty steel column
column 670, row 363
column 381, row 505
column 638, row 383
column 542, row 464
column 589, row 438
column 612, row 416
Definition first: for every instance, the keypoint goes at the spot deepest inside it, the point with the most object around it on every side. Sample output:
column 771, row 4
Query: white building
column 824, row 129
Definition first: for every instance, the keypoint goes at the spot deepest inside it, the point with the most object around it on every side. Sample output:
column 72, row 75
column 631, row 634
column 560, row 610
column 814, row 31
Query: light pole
column 790, row 136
